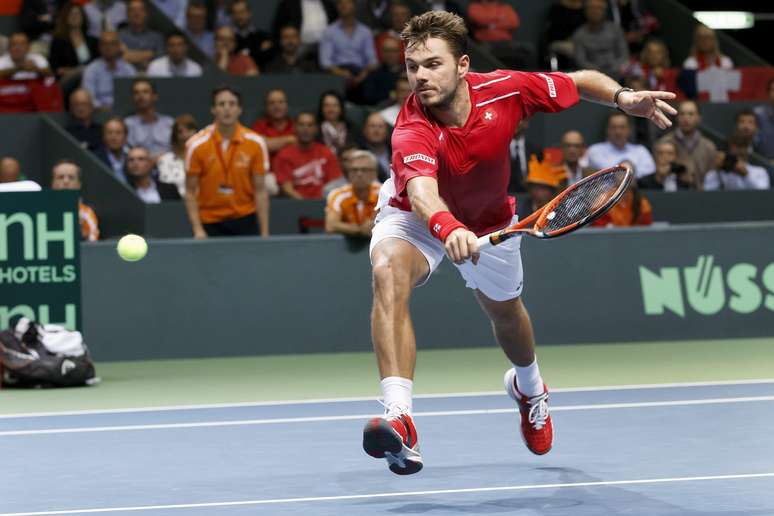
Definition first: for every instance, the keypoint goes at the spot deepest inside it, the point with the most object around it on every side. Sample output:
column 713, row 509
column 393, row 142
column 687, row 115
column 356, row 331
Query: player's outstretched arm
column 460, row 243
column 598, row 87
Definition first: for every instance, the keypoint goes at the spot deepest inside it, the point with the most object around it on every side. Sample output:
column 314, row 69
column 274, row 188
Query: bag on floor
column 44, row 356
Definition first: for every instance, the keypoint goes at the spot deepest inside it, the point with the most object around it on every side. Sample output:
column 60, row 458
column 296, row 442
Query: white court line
column 317, row 419
column 171, row 408
column 269, row 501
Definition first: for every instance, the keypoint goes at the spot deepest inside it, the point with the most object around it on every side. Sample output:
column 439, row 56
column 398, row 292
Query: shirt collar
column 236, row 138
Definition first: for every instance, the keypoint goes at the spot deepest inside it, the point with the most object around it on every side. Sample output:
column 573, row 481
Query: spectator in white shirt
column 147, row 127
column 618, row 148
column 734, row 172
column 21, row 64
column 171, row 166
column 176, row 63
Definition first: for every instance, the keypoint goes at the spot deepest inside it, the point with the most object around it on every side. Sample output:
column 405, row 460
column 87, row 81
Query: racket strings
column 584, row 201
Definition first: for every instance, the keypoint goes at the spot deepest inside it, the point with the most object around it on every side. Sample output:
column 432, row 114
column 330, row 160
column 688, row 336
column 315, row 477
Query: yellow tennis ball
column 132, row 248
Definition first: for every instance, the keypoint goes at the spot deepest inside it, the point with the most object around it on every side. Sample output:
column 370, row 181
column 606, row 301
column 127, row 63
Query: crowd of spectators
column 86, row 44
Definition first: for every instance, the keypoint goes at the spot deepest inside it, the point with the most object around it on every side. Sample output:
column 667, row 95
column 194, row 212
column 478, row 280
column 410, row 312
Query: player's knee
column 390, row 280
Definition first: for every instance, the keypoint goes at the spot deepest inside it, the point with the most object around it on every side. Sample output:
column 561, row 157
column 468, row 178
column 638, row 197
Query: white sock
column 397, row 394
column 528, row 379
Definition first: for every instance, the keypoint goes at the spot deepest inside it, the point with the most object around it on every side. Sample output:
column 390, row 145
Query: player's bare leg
column 513, row 330
column 397, row 267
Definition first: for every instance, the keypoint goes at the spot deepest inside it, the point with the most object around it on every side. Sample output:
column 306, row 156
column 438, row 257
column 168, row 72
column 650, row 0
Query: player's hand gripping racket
column 572, row 209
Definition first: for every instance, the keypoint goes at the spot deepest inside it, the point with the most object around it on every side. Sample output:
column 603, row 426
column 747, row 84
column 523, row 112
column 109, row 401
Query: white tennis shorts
column 498, row 274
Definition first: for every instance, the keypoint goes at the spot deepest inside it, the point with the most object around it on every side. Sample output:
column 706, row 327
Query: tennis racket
column 578, row 205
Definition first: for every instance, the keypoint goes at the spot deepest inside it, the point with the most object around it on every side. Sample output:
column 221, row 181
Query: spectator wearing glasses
column 350, row 209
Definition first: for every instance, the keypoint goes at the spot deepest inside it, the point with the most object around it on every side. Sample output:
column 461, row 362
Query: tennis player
column 450, row 171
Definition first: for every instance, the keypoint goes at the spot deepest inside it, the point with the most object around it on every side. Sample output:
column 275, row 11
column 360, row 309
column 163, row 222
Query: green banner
column 40, row 275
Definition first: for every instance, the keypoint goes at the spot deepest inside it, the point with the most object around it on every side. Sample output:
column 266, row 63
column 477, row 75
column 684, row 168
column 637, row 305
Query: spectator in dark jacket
column 71, row 49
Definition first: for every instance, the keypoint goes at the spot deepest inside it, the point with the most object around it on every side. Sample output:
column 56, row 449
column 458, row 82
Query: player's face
column 226, row 108
column 434, row 73
column 66, row 177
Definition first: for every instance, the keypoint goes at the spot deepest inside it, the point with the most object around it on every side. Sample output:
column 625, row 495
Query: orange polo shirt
column 353, row 210
column 226, row 174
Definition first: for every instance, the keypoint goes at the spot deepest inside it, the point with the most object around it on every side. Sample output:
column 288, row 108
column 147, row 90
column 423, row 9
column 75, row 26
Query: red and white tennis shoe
column 537, row 430
column 393, row 437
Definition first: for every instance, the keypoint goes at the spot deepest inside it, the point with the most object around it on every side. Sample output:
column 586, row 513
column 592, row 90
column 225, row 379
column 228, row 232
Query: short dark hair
column 145, row 80
column 738, row 140
column 116, row 119
column 437, row 24
column 175, row 34
column 66, row 161
column 266, row 97
column 614, row 114
column 744, row 112
column 220, row 89
column 306, row 113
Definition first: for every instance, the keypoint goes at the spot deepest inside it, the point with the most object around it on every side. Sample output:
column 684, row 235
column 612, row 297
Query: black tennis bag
column 44, row 356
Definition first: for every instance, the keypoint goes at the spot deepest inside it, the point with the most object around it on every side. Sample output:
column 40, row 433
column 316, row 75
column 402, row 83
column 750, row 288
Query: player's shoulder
column 413, row 123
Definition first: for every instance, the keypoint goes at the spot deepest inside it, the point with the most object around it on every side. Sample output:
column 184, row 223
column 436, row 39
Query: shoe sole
column 508, row 381
column 380, row 441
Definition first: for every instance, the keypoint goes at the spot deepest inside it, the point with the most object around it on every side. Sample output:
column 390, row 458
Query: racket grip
column 484, row 242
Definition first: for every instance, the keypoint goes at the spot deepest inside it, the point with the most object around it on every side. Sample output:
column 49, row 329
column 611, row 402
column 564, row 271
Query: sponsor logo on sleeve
column 418, row 157
column 551, row 85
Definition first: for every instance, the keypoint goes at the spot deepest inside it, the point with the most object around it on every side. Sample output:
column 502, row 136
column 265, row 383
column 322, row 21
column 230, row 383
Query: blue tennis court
column 692, row 449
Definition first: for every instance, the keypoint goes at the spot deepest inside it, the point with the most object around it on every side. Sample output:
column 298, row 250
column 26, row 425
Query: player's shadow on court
column 575, row 501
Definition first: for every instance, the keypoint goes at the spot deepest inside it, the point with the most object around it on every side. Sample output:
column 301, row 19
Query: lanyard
column 226, row 166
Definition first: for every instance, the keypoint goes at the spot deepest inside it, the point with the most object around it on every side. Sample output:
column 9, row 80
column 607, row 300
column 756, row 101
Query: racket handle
column 484, row 242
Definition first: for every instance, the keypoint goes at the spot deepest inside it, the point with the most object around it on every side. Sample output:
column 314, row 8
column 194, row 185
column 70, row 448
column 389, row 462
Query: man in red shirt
column 276, row 126
column 450, row 171
column 303, row 169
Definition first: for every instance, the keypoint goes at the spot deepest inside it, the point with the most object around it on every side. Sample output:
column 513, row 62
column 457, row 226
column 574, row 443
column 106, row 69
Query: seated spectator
column 276, row 126
column 520, row 150
column 221, row 14
column 764, row 140
column 304, row 168
column 734, row 171
column 71, row 49
column 334, row 128
column 564, row 18
column 599, row 43
column 173, row 9
column 374, row 13
column 347, row 47
column 694, row 150
column 350, row 209
column 617, row 148
column 66, row 175
column 171, row 165
column 492, row 20
column 290, row 59
column 114, row 149
column 226, row 56
column 400, row 94
column 104, row 15
column 746, row 126
column 142, row 44
column 11, row 178
column 654, row 60
column 670, row 175
column 705, row 52
column 176, row 63
column 81, row 124
column 21, row 64
column 376, row 140
column 10, row 170
column 543, row 183
column 399, row 14
column 573, row 146
column 311, row 16
column 139, row 175
column 633, row 209
column 196, row 28
column 377, row 86
column 256, row 43
column 148, row 128
column 99, row 74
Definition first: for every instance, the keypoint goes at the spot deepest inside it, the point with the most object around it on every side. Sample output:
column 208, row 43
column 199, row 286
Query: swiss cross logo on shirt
column 489, row 115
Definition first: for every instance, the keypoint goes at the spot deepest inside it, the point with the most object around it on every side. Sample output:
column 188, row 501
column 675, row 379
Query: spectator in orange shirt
column 303, row 169
column 350, row 209
column 66, row 175
column 276, row 126
column 226, row 164
column 632, row 210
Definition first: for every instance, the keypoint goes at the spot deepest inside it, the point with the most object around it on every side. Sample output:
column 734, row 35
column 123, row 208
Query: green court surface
column 292, row 377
